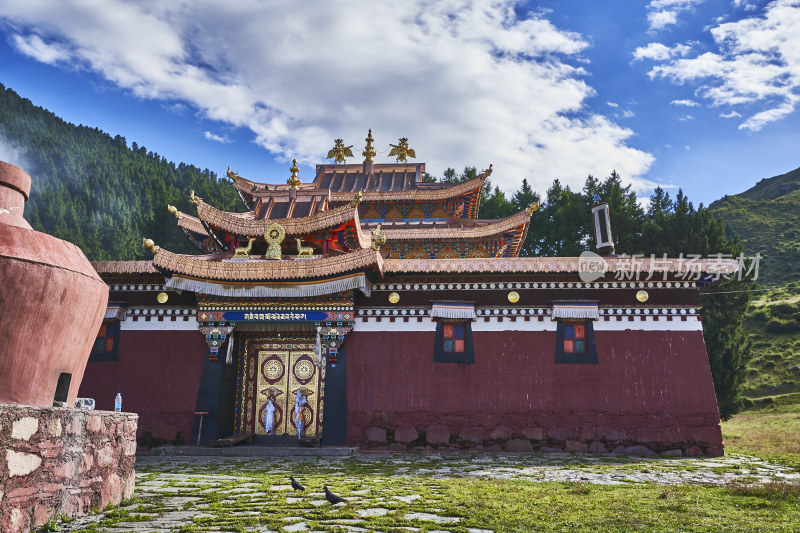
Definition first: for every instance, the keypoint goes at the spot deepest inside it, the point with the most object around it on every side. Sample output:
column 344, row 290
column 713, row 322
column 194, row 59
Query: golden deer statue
column 244, row 251
column 303, row 250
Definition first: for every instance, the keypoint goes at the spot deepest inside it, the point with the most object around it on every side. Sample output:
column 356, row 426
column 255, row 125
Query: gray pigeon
column 333, row 498
column 296, row 485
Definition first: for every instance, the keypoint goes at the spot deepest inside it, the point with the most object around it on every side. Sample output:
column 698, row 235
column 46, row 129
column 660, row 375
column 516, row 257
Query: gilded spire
column 369, row 152
column 293, row 181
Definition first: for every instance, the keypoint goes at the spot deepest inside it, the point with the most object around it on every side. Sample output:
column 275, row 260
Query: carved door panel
column 279, row 370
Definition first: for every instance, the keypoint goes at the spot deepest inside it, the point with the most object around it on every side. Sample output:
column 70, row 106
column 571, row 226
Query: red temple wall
column 652, row 388
column 158, row 375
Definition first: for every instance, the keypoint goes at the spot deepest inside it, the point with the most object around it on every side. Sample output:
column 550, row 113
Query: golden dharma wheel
column 642, row 296
column 394, row 297
column 162, row 297
column 513, row 297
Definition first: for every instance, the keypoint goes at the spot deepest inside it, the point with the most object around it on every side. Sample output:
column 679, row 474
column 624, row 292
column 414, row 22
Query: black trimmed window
column 575, row 342
column 453, row 342
column 106, row 345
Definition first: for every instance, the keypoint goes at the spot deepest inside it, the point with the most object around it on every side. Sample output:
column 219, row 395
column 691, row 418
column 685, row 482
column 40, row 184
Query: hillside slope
column 766, row 218
column 96, row 191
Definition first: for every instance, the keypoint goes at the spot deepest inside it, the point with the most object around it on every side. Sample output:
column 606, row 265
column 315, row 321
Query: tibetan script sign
column 275, row 316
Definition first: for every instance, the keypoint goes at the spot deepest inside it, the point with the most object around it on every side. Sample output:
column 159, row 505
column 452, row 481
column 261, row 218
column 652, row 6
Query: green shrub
column 782, row 310
column 761, row 315
column 776, row 325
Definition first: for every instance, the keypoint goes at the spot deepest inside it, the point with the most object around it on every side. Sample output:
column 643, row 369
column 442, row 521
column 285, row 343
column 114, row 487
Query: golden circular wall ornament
column 513, row 297
column 162, row 297
column 394, row 297
column 642, row 296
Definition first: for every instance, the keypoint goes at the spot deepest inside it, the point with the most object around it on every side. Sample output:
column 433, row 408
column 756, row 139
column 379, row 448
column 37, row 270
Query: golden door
column 280, row 370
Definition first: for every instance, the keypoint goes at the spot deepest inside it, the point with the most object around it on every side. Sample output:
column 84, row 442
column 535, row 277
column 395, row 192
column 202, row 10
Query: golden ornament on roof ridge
column 531, row 208
column 293, row 181
column 174, row 210
column 149, row 244
column 231, row 174
column 339, row 151
column 369, row 152
column 402, row 151
column 194, row 199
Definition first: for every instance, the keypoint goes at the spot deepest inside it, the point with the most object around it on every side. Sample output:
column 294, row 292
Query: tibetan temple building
column 395, row 318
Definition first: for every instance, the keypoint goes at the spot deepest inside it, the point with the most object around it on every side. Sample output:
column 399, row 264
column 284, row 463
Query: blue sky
column 697, row 94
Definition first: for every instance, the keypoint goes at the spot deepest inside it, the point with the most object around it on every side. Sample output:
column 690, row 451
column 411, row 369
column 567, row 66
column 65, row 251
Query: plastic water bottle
column 118, row 403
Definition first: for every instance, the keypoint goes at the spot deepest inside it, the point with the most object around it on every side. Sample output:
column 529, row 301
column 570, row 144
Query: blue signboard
column 275, row 316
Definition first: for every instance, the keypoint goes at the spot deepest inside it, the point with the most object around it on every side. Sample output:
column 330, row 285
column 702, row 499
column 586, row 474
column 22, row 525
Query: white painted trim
column 500, row 323
column 140, row 323
column 621, row 284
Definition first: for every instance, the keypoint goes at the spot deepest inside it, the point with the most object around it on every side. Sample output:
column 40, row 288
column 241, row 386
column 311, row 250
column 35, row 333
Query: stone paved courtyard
column 383, row 491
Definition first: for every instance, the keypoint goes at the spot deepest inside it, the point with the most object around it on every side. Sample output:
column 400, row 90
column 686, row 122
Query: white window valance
column 114, row 312
column 453, row 309
column 585, row 310
column 272, row 290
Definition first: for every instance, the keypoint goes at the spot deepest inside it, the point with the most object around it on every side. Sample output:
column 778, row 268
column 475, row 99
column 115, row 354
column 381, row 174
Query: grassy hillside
column 767, row 220
column 772, row 324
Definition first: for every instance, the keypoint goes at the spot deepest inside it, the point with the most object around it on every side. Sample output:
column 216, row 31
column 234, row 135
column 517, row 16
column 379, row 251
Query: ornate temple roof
column 473, row 230
column 212, row 268
column 387, row 182
column 246, row 225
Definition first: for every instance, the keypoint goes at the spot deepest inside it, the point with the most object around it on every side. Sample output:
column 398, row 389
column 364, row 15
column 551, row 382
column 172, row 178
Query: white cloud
column 732, row 114
column 663, row 13
column 33, row 46
column 612, row 104
column 216, row 138
column 660, row 52
column 687, row 103
column 757, row 63
column 685, row 118
column 469, row 82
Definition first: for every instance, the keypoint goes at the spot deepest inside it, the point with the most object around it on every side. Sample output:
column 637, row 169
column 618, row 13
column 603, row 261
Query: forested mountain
column 95, row 190
column 766, row 218
column 99, row 193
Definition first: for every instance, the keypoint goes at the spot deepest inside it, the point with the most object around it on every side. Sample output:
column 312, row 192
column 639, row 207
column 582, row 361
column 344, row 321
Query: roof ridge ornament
column 378, row 239
column 174, row 210
column 339, row 151
column 231, row 174
column 196, row 200
column 402, row 151
column 369, row 151
column 149, row 244
column 293, row 181
column 531, row 208
column 357, row 198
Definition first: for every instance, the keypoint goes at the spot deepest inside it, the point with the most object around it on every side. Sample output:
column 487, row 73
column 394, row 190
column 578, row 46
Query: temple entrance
column 277, row 367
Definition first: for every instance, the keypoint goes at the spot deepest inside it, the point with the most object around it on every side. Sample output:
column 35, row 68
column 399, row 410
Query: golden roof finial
column 357, row 198
column 194, row 199
column 378, row 239
column 293, row 181
column 369, row 152
column 402, row 151
column 488, row 171
column 148, row 243
column 172, row 209
column 339, row 151
column 531, row 208
column 231, row 174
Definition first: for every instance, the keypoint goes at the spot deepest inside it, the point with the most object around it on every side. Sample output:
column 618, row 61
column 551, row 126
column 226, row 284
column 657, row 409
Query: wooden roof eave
column 494, row 228
column 474, row 185
column 197, row 267
column 250, row 227
column 545, row 265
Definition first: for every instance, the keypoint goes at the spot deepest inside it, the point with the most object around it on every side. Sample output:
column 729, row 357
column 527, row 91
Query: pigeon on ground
column 333, row 498
column 296, row 485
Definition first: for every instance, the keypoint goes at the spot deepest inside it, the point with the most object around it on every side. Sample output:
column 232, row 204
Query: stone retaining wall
column 60, row 461
column 645, row 434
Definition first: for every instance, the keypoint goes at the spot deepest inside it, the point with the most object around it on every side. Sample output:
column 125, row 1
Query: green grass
column 770, row 429
column 772, row 324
